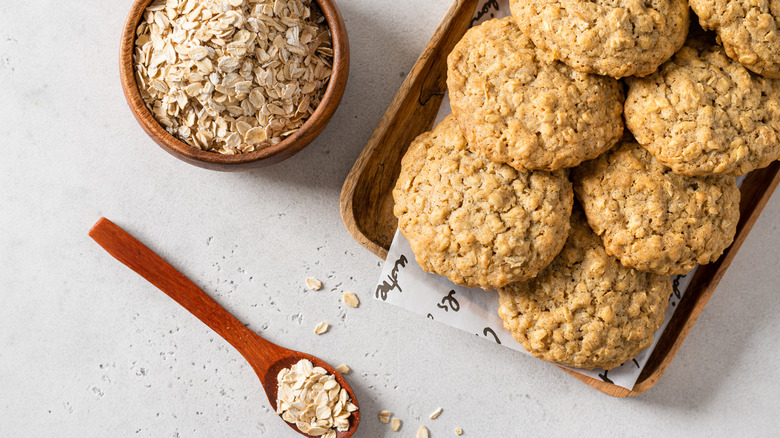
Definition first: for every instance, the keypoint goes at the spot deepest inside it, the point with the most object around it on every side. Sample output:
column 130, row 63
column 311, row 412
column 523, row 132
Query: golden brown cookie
column 704, row 113
column 615, row 38
column 748, row 30
column 477, row 222
column 532, row 114
column 653, row 219
column 585, row 309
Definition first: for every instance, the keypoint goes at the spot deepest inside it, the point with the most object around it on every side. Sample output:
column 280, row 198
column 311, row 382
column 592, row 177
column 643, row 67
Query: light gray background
column 88, row 348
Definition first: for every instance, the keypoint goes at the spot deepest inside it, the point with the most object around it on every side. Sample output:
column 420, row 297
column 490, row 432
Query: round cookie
column 585, row 309
column 704, row 113
column 653, row 219
column 615, row 38
column 748, row 30
column 479, row 223
column 532, row 114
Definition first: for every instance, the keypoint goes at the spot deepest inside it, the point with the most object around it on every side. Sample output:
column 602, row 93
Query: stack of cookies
column 538, row 106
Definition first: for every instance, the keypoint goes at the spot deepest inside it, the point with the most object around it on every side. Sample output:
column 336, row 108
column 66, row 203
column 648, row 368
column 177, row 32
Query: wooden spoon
column 266, row 359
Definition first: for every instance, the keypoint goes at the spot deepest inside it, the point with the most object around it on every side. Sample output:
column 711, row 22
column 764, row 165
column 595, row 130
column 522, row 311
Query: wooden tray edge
column 453, row 18
column 756, row 191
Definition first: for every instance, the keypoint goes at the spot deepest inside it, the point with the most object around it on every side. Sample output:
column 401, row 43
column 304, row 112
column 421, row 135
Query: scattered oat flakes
column 232, row 76
column 313, row 400
column 395, row 424
column 422, row 432
column 458, row 431
column 313, row 283
column 435, row 414
column 343, row 369
column 321, row 328
column 350, row 299
column 384, row 416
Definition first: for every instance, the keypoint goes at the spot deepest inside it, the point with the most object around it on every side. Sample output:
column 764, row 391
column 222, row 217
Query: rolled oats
column 321, row 328
column 232, row 76
column 384, row 416
column 313, row 400
column 343, row 369
column 311, row 283
column 395, row 424
column 350, row 299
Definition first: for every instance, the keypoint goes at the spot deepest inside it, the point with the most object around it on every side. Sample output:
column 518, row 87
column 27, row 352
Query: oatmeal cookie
column 477, row 222
column 749, row 31
column 585, row 309
column 704, row 113
column 532, row 114
column 615, row 38
column 653, row 219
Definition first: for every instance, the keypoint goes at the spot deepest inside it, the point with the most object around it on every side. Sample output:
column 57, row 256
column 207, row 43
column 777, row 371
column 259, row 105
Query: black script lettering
column 605, row 378
column 485, row 10
column 676, row 289
column 495, row 336
column 385, row 287
column 449, row 302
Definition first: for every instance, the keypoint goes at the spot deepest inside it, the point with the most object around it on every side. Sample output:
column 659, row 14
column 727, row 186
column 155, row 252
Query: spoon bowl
column 266, row 358
column 271, row 386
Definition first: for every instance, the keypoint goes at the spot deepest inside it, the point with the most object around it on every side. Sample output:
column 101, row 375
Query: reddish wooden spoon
column 267, row 359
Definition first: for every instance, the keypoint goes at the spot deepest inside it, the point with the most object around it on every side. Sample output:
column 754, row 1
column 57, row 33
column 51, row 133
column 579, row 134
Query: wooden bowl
column 253, row 160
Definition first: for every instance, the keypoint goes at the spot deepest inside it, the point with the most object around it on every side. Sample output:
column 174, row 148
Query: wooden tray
column 366, row 201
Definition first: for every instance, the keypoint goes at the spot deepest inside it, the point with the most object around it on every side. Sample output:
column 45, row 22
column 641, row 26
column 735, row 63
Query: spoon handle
column 128, row 250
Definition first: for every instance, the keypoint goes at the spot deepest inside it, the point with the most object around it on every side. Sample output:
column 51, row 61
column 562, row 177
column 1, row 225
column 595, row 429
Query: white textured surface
column 88, row 348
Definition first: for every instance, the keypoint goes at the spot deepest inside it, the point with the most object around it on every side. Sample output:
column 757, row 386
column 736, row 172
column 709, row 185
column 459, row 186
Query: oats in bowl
column 232, row 76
